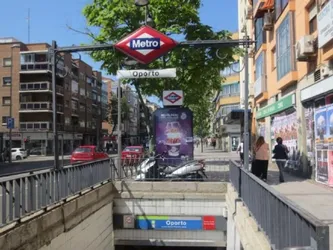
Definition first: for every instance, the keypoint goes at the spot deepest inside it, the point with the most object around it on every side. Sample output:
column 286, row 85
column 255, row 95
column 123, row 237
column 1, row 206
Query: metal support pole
column 246, row 103
column 119, row 128
column 11, row 105
column 54, row 105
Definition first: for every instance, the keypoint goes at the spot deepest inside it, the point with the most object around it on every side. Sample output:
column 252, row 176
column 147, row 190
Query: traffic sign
column 142, row 73
column 145, row 44
column 173, row 98
column 10, row 123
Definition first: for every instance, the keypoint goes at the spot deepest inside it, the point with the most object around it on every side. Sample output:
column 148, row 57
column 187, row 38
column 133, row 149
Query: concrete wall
column 84, row 222
column 246, row 227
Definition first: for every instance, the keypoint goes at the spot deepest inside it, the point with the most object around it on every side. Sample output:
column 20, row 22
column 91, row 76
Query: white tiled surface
column 168, row 207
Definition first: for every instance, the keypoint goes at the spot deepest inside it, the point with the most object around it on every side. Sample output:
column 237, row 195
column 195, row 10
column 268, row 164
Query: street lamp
column 141, row 3
column 11, row 101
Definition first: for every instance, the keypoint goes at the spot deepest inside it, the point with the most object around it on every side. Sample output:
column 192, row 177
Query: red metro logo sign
column 172, row 97
column 145, row 45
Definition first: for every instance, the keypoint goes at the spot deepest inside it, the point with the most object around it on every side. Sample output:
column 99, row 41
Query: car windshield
column 83, row 150
column 132, row 150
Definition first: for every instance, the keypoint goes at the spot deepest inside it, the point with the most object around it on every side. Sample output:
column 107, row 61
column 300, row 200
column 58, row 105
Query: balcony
column 29, row 107
column 39, row 87
column 35, row 126
column 260, row 86
column 36, row 67
column 75, row 112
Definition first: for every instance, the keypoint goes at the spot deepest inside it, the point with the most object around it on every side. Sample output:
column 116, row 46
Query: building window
column 260, row 34
column 312, row 18
column 6, row 100
column 280, row 5
column 4, row 120
column 230, row 89
column 228, row 108
column 260, row 66
column 7, row 62
column 6, row 81
column 66, row 104
column 284, row 47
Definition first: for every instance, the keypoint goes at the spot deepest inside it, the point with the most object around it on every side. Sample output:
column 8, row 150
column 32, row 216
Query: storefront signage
column 325, row 24
column 276, row 107
column 152, row 73
column 176, row 223
column 317, row 89
column 146, row 44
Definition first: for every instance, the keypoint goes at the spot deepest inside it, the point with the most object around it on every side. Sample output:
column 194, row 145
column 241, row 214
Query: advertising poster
column 320, row 125
column 174, row 133
column 309, row 133
column 322, row 166
column 329, row 121
column 330, row 167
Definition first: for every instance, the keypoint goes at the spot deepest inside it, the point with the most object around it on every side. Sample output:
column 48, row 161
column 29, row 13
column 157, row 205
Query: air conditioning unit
column 249, row 12
column 325, row 71
column 268, row 21
column 305, row 48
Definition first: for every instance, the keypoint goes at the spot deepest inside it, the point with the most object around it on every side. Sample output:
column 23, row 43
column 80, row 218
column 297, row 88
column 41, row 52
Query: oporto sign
column 153, row 73
column 145, row 44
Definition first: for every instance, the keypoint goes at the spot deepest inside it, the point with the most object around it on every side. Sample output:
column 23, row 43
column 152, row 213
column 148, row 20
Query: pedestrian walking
column 240, row 150
column 260, row 165
column 281, row 156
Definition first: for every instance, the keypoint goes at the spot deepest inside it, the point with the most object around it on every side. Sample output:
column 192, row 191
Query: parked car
column 87, row 153
column 19, row 154
column 132, row 155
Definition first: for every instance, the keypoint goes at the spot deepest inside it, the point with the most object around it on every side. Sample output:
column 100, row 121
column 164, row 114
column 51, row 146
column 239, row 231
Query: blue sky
column 49, row 20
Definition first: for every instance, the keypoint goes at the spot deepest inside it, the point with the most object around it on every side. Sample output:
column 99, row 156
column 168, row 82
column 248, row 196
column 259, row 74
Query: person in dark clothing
column 281, row 156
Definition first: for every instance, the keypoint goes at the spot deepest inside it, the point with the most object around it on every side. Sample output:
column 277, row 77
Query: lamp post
column 11, row 102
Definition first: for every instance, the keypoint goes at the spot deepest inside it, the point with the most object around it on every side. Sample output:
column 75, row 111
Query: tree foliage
column 202, row 118
column 113, row 111
column 198, row 69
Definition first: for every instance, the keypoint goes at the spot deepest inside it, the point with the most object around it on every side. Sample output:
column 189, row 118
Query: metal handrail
column 27, row 194
column 285, row 223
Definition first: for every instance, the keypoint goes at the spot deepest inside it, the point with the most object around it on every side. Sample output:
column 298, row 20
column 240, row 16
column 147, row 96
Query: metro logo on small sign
column 145, row 44
column 172, row 97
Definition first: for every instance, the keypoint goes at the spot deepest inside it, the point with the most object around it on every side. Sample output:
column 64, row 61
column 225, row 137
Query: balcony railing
column 35, row 106
column 260, row 86
column 41, row 106
column 284, row 223
column 39, row 86
column 36, row 66
column 33, row 126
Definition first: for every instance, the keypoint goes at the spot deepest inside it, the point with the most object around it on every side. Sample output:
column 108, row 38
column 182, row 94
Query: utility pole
column 54, row 104
column 119, row 128
column 246, row 100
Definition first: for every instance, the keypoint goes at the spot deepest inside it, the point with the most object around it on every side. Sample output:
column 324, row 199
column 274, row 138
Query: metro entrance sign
column 145, row 44
column 146, row 73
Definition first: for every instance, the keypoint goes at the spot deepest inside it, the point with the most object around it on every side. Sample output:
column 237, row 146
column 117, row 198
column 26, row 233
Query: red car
column 132, row 154
column 87, row 153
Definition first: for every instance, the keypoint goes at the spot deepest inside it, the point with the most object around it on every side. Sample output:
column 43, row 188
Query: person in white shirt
column 240, row 150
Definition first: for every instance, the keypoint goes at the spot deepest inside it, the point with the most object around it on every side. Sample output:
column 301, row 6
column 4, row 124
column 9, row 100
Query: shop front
column 317, row 101
column 279, row 119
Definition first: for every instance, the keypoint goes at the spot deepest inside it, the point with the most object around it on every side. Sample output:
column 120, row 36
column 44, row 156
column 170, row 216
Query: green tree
column 113, row 111
column 198, row 69
column 202, row 119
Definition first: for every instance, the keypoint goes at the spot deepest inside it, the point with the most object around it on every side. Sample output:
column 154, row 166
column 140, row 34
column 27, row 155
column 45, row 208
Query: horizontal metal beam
column 194, row 43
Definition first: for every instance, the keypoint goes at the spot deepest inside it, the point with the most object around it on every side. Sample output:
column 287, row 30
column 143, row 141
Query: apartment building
column 227, row 100
column 26, row 69
column 292, row 75
column 106, row 97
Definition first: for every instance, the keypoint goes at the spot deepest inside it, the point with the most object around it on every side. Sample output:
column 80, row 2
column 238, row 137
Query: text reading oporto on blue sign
column 145, row 43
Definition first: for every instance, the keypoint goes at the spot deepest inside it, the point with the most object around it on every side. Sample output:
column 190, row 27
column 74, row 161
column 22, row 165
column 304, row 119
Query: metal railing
column 27, row 194
column 284, row 223
column 215, row 170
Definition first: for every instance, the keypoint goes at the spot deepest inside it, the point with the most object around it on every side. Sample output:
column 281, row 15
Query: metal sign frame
column 54, row 50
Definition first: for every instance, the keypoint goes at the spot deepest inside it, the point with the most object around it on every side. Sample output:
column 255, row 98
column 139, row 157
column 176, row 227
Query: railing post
column 239, row 182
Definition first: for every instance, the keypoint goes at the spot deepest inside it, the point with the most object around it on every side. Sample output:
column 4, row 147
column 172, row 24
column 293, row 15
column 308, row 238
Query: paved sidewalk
column 313, row 197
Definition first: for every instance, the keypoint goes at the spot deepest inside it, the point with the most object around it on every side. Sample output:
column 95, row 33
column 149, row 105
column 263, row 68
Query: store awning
column 264, row 8
column 318, row 89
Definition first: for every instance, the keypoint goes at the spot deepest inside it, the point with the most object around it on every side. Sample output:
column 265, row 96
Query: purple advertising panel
column 174, row 132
